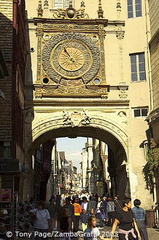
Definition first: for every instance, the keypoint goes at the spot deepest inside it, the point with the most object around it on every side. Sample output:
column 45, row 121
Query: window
column 137, row 67
column 134, row 8
column 140, row 112
column 61, row 4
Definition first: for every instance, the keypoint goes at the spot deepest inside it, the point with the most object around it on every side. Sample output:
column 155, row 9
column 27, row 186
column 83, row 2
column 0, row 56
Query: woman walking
column 99, row 212
column 139, row 214
column 42, row 220
column 126, row 221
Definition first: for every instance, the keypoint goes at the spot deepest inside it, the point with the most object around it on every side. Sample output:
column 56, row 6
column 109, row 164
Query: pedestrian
column 99, row 212
column 84, row 219
column 92, row 204
column 84, row 204
column 126, row 221
column 58, row 200
column 139, row 214
column 65, row 220
column 70, row 207
column 104, row 207
column 62, row 201
column 118, row 203
column 77, row 212
column 92, row 232
column 41, row 220
column 110, row 211
column 53, row 210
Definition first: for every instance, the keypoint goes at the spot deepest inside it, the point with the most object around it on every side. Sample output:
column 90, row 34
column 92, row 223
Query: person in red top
column 77, row 213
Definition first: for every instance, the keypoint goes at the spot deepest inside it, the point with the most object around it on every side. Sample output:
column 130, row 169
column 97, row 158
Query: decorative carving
column 120, row 34
column 64, row 90
column 88, row 48
column 123, row 116
column 118, row 8
column 46, row 4
column 57, row 120
column 75, row 118
column 66, row 118
column 29, row 116
column 100, row 10
column 81, row 12
column 64, row 27
column 83, row 4
column 123, row 88
column 86, row 119
column 71, row 13
column 39, row 34
column 40, row 10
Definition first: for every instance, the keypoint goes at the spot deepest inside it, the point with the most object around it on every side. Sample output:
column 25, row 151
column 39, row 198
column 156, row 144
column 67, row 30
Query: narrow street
column 79, row 118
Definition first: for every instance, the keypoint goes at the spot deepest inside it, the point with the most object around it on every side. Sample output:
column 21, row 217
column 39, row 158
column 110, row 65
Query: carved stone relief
column 54, row 75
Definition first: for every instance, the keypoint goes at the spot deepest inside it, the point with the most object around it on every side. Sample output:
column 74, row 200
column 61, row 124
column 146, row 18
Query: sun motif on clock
column 71, row 59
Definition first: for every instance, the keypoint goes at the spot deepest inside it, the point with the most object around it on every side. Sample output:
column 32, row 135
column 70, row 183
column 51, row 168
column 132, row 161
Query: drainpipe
column 148, row 37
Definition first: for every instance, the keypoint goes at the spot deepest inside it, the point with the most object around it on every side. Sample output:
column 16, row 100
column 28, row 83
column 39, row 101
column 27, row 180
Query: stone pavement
column 153, row 233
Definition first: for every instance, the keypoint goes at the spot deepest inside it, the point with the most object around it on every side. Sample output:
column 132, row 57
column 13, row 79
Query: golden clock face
column 70, row 56
column 71, row 59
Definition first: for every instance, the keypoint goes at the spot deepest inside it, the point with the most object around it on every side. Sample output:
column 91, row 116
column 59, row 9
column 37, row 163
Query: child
column 92, row 232
column 84, row 219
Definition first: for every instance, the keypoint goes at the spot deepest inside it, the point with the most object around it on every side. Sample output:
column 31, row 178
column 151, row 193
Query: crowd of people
column 90, row 213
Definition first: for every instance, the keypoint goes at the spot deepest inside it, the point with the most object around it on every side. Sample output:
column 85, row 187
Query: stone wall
column 6, row 32
column 154, row 16
column 154, row 49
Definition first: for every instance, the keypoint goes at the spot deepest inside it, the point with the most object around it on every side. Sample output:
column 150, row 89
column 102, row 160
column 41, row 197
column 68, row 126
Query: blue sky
column 72, row 149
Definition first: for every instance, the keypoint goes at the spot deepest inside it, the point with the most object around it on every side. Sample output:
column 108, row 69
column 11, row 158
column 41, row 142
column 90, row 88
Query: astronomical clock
column 71, row 60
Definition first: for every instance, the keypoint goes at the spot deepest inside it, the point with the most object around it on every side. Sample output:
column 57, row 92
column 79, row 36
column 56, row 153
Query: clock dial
column 71, row 56
column 71, row 59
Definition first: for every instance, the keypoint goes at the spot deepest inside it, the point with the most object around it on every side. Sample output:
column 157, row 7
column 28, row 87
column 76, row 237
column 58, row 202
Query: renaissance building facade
column 88, row 74
column 76, row 69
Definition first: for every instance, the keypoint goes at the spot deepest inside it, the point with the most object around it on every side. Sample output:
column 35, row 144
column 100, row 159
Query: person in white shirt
column 84, row 204
column 41, row 220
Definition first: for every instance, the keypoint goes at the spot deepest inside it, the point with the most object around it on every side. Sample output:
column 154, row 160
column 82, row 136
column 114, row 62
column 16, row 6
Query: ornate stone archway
column 76, row 122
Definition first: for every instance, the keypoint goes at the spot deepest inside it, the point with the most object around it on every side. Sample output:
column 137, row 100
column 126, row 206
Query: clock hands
column 71, row 58
column 65, row 50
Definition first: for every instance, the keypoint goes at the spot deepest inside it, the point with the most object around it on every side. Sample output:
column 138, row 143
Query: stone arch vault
column 74, row 124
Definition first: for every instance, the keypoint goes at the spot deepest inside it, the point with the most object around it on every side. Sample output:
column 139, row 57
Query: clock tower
column 71, row 59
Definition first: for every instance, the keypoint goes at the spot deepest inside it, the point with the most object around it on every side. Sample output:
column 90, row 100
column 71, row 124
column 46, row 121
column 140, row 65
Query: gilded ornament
column 71, row 56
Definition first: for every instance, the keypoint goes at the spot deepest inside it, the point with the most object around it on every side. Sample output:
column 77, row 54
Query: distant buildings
column 94, row 174
column 64, row 178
